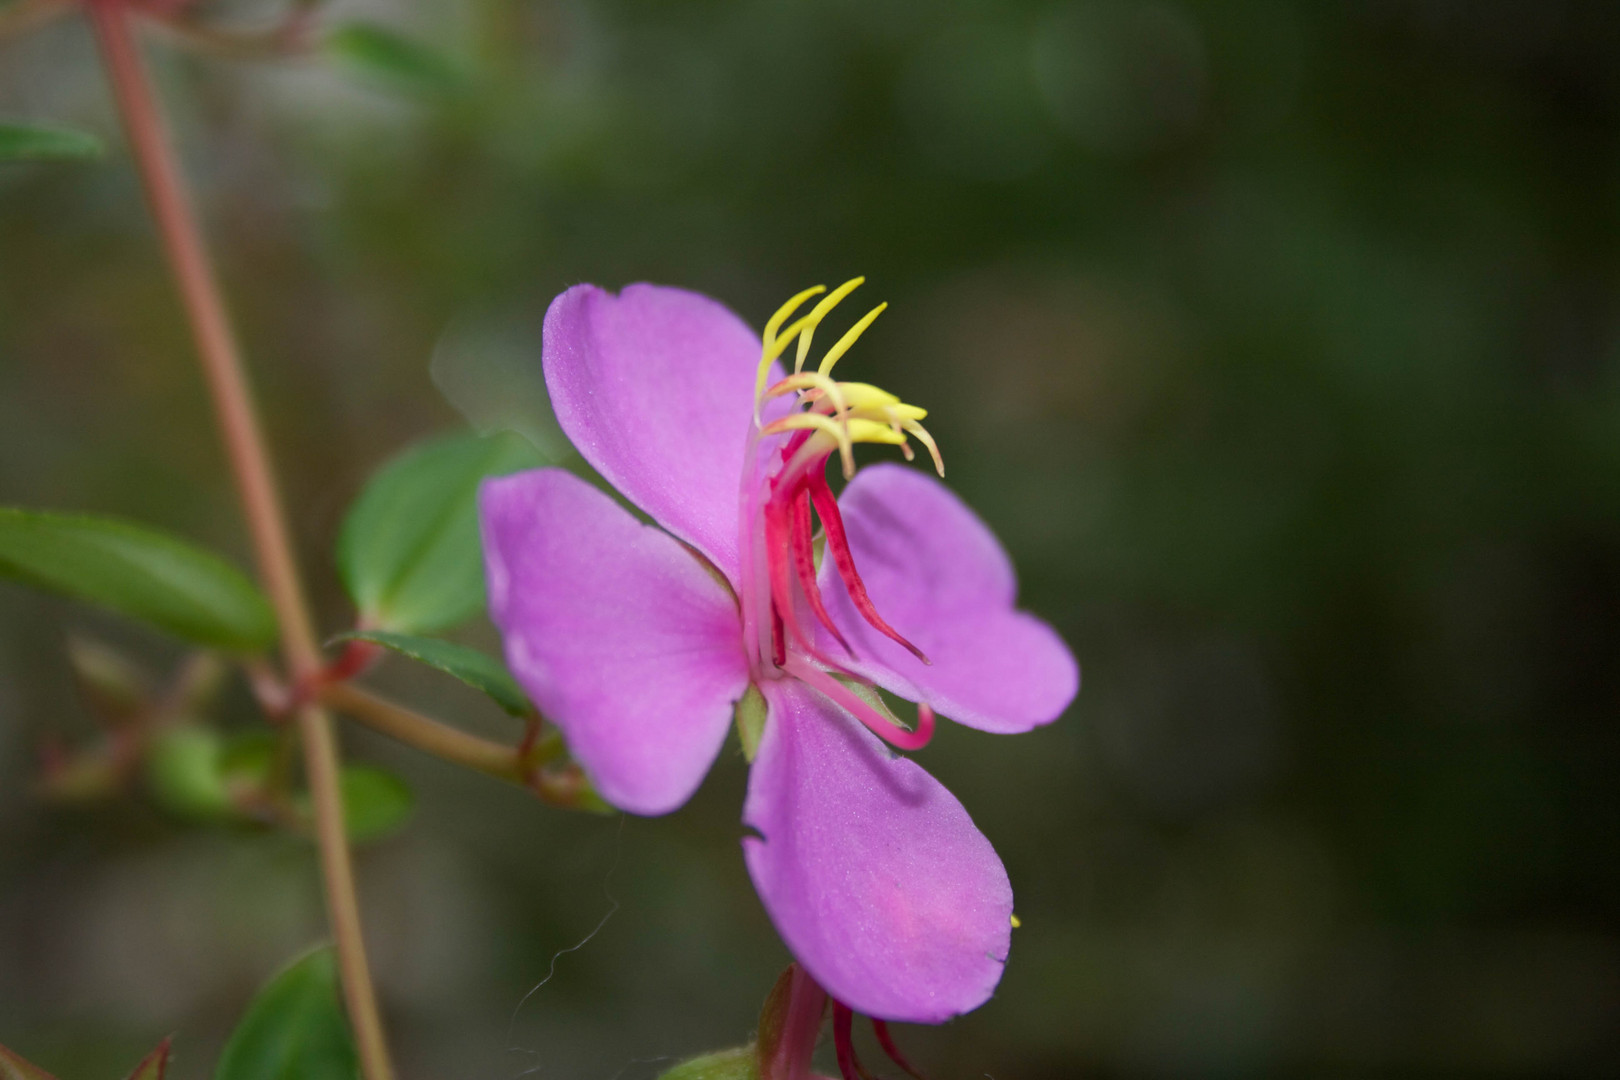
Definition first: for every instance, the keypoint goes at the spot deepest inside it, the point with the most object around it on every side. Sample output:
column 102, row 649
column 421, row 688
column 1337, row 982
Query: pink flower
column 637, row 642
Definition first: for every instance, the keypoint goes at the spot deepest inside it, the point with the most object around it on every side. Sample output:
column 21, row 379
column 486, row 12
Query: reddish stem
column 255, row 482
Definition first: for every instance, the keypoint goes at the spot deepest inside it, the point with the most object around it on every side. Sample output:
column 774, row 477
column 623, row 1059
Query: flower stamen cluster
column 785, row 489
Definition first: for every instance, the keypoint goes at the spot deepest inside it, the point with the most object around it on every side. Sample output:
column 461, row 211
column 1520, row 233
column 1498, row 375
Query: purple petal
column 655, row 388
column 620, row 636
column 875, row 876
column 938, row 575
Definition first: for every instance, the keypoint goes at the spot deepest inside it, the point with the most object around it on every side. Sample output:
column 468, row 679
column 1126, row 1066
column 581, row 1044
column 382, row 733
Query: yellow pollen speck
column 1016, row 922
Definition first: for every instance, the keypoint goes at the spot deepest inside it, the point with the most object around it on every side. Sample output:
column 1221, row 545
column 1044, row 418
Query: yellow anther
column 1017, row 922
column 849, row 338
column 927, row 440
column 874, row 432
column 819, row 312
column 769, row 350
column 841, row 434
column 866, row 396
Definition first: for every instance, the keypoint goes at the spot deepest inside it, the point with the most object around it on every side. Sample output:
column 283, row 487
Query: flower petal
column 655, row 388
column 873, row 873
column 622, row 638
column 938, row 575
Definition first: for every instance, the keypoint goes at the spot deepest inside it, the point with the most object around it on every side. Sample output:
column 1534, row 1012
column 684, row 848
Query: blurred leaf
column 478, row 670
column 409, row 551
column 294, row 1029
column 484, row 365
column 153, row 1065
column 115, row 687
column 386, row 56
column 21, row 142
column 375, row 802
column 149, row 575
column 248, row 758
column 183, row 770
column 13, row 1067
column 738, row 1063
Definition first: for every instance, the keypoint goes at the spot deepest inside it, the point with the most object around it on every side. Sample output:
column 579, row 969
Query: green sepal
column 738, row 1063
column 749, row 715
column 150, row 575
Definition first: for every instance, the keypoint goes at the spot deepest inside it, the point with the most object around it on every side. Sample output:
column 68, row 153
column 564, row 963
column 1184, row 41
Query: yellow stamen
column 927, row 440
column 849, row 338
column 839, row 414
column 819, row 312
column 768, row 340
column 895, row 426
column 1017, row 922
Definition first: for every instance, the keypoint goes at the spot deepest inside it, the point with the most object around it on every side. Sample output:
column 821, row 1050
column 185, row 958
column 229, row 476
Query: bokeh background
column 1278, row 339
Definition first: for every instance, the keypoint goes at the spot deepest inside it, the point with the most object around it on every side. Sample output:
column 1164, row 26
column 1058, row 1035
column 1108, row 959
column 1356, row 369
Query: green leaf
column 294, row 1029
column 13, row 1067
column 140, row 572
column 25, row 142
column 409, row 551
column 375, row 802
column 184, row 772
column 478, row 670
column 382, row 55
column 153, row 1065
column 738, row 1063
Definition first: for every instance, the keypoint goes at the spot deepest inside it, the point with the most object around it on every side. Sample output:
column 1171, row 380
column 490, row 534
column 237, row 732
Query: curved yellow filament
column 819, row 312
column 849, row 338
column 927, row 440
column 769, row 349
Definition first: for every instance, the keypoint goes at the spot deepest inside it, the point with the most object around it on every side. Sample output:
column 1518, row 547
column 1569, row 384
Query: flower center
column 785, row 487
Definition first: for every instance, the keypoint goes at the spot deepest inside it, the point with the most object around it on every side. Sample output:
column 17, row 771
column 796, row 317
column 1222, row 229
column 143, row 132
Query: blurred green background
column 1278, row 339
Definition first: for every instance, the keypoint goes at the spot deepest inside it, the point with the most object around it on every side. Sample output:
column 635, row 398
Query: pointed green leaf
column 153, row 1065
column 26, row 142
column 13, row 1067
column 478, row 670
column 294, row 1029
column 738, row 1063
column 409, row 551
column 375, row 802
column 140, row 572
column 386, row 56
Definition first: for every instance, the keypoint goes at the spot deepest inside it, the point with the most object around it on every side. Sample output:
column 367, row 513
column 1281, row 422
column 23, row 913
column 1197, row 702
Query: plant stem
column 426, row 734
column 519, row 764
column 255, row 481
